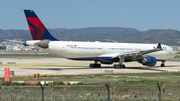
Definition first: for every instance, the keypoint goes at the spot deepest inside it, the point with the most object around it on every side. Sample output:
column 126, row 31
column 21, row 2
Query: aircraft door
column 63, row 47
column 145, row 48
column 104, row 49
column 168, row 50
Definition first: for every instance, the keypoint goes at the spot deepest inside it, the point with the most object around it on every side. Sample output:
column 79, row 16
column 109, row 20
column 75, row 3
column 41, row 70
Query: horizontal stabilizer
column 14, row 41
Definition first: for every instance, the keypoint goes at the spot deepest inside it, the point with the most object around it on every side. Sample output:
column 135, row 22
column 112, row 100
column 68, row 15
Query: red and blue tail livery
column 36, row 27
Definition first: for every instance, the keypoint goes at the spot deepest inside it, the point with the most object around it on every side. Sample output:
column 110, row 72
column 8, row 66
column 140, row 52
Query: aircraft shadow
column 169, row 66
column 59, row 68
column 144, row 68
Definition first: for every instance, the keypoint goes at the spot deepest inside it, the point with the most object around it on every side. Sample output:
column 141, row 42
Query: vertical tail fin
column 36, row 27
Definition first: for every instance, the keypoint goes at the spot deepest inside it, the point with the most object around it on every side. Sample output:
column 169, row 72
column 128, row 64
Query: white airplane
column 99, row 52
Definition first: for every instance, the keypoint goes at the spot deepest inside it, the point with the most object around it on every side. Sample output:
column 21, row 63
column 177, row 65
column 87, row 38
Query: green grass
column 177, row 57
column 141, row 84
column 101, row 79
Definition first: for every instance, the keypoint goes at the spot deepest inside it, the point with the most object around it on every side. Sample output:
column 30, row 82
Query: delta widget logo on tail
column 37, row 29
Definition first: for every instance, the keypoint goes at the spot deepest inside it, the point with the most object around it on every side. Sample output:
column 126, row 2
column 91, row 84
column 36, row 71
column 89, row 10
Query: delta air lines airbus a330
column 99, row 52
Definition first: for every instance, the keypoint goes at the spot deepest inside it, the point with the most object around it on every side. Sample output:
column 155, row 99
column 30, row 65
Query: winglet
column 159, row 46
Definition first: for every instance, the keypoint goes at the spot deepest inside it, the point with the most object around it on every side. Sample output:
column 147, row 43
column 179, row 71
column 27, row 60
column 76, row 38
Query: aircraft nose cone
column 174, row 53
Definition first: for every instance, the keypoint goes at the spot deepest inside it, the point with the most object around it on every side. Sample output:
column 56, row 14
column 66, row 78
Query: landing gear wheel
column 99, row 65
column 95, row 65
column 118, row 66
column 115, row 66
column 162, row 65
column 122, row 66
column 91, row 65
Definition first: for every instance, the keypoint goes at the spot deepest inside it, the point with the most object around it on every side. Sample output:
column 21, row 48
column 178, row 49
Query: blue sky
column 140, row 14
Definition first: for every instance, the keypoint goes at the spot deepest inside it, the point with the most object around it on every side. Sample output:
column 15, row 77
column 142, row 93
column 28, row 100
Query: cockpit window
column 164, row 48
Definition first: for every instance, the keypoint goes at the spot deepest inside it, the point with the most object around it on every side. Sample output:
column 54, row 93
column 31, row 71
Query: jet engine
column 149, row 61
column 104, row 60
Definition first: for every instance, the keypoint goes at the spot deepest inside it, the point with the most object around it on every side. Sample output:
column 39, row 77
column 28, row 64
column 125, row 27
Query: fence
column 66, row 94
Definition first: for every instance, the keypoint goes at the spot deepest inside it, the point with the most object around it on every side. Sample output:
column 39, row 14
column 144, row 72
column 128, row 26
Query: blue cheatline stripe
column 35, row 29
column 101, row 59
column 89, row 58
column 30, row 13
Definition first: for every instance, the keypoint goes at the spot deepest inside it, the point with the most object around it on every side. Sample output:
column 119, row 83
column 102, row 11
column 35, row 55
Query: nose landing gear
column 163, row 65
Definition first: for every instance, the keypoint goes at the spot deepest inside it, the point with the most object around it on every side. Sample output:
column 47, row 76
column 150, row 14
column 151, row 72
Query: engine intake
column 149, row 61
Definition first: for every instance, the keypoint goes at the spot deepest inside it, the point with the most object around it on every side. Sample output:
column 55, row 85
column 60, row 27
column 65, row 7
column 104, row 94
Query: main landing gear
column 163, row 65
column 95, row 65
column 120, row 65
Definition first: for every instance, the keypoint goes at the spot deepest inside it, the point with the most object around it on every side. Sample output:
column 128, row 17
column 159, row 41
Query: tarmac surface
column 58, row 66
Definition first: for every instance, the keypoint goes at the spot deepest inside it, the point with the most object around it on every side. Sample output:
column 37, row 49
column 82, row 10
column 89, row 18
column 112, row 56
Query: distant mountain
column 103, row 34
column 14, row 34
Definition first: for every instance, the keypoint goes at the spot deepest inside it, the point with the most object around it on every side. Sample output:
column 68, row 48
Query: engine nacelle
column 104, row 60
column 149, row 61
column 107, row 63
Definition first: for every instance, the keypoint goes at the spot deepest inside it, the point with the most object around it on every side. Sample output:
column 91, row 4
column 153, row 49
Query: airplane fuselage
column 90, row 50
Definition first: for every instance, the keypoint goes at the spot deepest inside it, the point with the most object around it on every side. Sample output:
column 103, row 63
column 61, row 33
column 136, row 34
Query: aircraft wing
column 133, row 55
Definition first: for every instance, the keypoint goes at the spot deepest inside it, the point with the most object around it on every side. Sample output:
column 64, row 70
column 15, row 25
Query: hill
column 103, row 34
